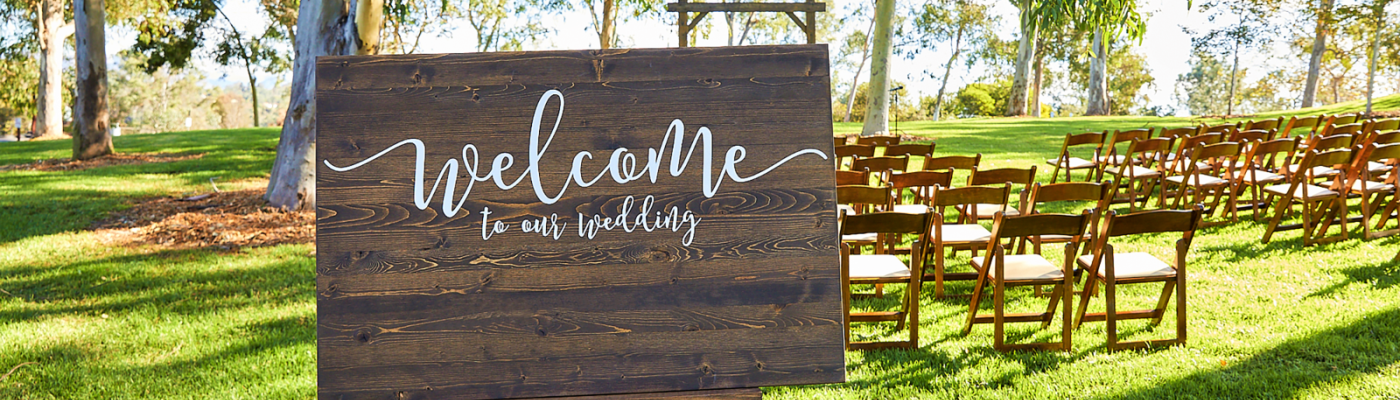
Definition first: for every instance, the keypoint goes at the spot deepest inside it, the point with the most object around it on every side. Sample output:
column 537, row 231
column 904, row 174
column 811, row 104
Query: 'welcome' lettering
column 622, row 165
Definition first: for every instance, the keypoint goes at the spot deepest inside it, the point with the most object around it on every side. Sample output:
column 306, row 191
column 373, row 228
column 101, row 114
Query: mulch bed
column 226, row 220
column 65, row 164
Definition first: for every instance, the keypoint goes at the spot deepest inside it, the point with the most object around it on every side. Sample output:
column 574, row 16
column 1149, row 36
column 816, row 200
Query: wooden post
column 683, row 26
column 811, row 26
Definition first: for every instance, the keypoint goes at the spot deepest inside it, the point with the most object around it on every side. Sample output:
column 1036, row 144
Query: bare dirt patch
column 64, row 164
column 226, row 220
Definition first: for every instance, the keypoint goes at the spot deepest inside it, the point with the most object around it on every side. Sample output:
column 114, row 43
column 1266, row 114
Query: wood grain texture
column 738, row 288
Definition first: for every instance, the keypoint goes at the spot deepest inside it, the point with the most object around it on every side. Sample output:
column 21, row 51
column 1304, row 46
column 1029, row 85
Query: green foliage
column 158, row 101
column 1203, row 90
column 981, row 99
column 902, row 106
column 169, row 35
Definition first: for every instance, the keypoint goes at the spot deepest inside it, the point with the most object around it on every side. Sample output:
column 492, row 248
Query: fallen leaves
column 225, row 220
column 64, row 164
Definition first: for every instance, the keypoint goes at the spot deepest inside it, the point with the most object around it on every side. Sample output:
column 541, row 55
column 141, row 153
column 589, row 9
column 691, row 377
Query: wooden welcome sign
column 567, row 223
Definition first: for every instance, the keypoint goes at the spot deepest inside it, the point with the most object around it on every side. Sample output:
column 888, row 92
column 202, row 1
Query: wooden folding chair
column 912, row 150
column 1141, row 179
column 1113, row 269
column 846, row 178
column 1265, row 125
column 880, row 269
column 1222, row 129
column 840, row 140
column 954, row 235
column 878, row 140
column 1301, row 126
column 1381, row 138
column 881, row 167
column 1322, row 207
column 1251, row 135
column 1185, row 145
column 913, row 190
column 1100, row 195
column 1268, row 165
column 1320, row 143
column 863, row 199
column 1174, row 133
column 1219, row 177
column 1378, row 195
column 847, row 154
column 1113, row 157
column 1343, row 119
column 1002, row 271
column 1064, row 161
column 1382, row 125
column 1353, row 129
column 1022, row 177
column 955, row 163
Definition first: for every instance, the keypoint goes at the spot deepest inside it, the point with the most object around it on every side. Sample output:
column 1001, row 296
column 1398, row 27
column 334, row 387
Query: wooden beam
column 796, row 20
column 696, row 21
column 745, row 7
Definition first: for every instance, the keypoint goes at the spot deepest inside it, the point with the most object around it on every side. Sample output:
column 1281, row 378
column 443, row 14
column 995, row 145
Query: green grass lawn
column 1266, row 321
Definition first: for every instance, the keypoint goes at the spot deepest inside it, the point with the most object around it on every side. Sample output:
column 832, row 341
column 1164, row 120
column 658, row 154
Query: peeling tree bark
column 877, row 97
column 1098, row 77
column 52, row 31
column 90, row 136
column 947, row 71
column 1025, row 51
column 325, row 27
column 1038, row 78
column 1319, row 46
column 864, row 56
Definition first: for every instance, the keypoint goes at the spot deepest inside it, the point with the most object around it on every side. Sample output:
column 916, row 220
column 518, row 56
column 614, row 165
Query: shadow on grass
column 38, row 203
column 119, row 283
column 1329, row 356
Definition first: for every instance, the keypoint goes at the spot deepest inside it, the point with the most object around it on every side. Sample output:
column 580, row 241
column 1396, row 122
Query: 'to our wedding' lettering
column 622, row 165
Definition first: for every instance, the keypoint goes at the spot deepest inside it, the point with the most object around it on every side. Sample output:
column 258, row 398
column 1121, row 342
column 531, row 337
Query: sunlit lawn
column 1266, row 321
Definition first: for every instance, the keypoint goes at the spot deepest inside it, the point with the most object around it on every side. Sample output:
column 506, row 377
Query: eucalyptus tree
column 1250, row 28
column 877, row 119
column 605, row 13
column 508, row 24
column 325, row 27
column 53, row 25
column 1106, row 19
column 960, row 23
column 856, row 42
column 1322, row 11
column 91, row 139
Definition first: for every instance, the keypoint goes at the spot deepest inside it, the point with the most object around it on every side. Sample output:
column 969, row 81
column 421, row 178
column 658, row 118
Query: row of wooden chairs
column 1001, row 269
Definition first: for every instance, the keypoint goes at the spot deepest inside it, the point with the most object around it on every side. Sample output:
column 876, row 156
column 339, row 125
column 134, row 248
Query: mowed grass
column 112, row 322
column 98, row 321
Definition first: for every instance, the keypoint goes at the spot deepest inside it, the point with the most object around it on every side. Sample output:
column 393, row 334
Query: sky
column 1165, row 45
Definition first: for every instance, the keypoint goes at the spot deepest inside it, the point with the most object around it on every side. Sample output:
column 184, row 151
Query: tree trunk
column 51, row 31
column 605, row 35
column 864, row 55
column 90, row 136
column 326, row 27
column 1234, row 75
column 877, row 97
column 1098, row 77
column 253, row 88
column 1038, row 78
column 1318, row 47
column 947, row 71
column 1025, row 50
column 1375, row 51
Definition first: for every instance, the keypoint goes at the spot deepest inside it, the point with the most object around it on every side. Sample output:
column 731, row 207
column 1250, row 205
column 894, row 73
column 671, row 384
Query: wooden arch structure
column 684, row 24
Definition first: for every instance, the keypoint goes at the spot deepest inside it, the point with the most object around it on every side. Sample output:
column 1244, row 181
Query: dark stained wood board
column 413, row 303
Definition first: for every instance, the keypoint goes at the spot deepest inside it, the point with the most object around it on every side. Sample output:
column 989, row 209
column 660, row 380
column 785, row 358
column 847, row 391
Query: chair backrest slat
column 911, row 149
column 1154, row 221
column 878, row 140
column 886, row 222
column 844, row 178
column 952, row 162
column 1039, row 224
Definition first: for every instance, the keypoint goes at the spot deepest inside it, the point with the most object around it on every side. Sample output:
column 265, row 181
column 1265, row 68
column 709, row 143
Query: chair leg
column 1181, row 307
column 1110, row 297
column 1050, row 309
column 1284, row 203
column 1067, row 331
column 1090, row 284
column 1161, row 309
column 938, row 271
column 972, row 305
column 999, row 312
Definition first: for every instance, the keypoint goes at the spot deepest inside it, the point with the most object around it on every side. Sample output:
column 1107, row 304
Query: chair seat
column 1113, row 160
column 964, row 233
column 1071, row 163
column 1134, row 171
column 876, row 266
column 1024, row 267
column 1205, row 180
column 1318, row 171
column 1314, row 191
column 910, row 208
column 1369, row 186
column 985, row 211
column 1260, row 176
column 860, row 237
column 1376, row 167
column 1132, row 265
